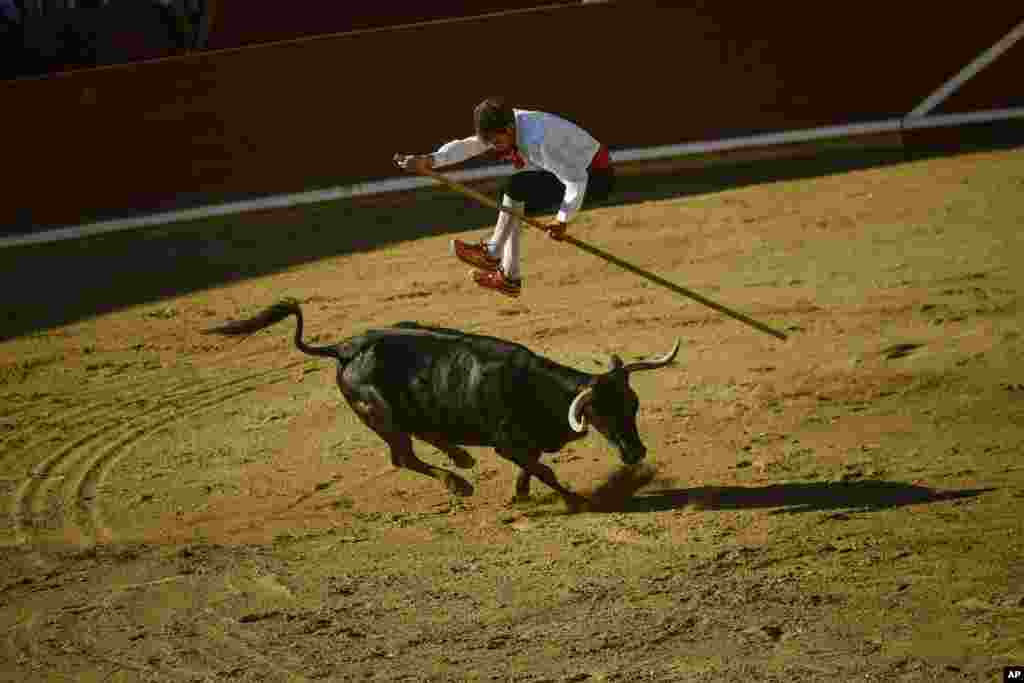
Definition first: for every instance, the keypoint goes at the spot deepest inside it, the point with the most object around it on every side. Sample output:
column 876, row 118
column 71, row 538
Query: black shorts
column 542, row 191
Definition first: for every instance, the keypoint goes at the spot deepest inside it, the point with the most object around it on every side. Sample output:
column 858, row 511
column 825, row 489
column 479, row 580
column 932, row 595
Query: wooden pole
column 600, row 253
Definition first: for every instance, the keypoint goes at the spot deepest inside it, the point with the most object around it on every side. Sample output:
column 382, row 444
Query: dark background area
column 40, row 37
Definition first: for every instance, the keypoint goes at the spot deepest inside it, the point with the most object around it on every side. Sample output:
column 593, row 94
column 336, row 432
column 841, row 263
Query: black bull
column 450, row 389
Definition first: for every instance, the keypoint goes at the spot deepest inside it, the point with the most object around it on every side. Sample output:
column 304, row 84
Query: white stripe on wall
column 762, row 140
column 413, row 183
column 968, row 72
column 989, row 116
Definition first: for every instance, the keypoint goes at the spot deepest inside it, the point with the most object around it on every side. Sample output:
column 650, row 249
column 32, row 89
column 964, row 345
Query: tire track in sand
column 49, row 429
column 84, row 489
column 74, row 473
column 48, row 425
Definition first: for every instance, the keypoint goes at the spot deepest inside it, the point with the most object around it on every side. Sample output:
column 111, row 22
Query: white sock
column 510, row 254
column 506, row 226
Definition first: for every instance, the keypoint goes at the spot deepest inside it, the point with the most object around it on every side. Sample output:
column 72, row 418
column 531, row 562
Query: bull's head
column 611, row 405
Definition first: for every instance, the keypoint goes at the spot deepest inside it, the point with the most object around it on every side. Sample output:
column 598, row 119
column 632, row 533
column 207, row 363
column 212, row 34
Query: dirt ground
column 845, row 505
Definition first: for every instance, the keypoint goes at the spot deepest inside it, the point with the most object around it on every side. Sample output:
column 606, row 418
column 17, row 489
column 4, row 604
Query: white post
column 968, row 72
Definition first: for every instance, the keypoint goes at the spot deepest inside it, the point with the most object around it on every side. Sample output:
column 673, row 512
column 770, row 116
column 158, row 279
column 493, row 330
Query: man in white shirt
column 558, row 165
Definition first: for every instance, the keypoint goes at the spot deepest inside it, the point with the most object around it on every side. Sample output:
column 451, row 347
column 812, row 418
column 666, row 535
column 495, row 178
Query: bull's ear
column 616, row 362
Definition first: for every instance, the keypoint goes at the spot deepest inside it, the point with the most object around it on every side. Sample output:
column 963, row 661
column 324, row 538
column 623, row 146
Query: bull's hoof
column 575, row 503
column 461, row 458
column 457, row 486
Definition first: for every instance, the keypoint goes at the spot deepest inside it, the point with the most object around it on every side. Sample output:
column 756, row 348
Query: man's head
column 495, row 123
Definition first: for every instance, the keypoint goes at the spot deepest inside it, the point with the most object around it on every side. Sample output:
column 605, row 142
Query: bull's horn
column 576, row 419
column 655, row 363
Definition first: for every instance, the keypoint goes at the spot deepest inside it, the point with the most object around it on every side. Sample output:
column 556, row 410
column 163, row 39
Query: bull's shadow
column 791, row 498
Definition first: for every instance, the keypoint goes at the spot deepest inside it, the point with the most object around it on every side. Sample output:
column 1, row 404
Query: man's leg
column 504, row 243
column 529, row 191
column 506, row 231
column 599, row 186
column 489, row 253
column 526, row 191
column 538, row 190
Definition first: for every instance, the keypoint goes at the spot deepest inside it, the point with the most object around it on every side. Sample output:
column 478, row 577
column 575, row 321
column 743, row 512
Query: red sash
column 515, row 157
column 601, row 159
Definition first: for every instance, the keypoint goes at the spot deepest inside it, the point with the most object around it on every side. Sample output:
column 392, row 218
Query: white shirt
column 546, row 142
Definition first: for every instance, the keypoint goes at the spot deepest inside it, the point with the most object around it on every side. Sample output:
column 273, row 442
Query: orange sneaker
column 475, row 255
column 498, row 281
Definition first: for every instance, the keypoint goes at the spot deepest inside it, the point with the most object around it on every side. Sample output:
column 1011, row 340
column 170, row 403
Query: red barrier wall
column 319, row 112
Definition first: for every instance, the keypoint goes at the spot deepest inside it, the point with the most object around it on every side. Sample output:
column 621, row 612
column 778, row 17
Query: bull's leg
column 375, row 413
column 522, row 486
column 531, row 466
column 458, row 456
column 401, row 446
column 522, row 493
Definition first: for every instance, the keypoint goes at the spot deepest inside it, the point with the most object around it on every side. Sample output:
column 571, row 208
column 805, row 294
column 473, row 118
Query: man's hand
column 417, row 163
column 556, row 230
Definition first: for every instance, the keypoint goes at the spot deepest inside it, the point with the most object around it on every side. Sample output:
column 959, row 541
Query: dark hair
column 492, row 115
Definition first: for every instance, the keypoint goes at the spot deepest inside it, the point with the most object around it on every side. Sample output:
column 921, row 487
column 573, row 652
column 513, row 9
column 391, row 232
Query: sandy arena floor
column 846, row 505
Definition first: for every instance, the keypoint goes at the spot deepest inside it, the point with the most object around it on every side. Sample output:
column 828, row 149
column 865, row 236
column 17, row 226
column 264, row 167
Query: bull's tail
column 268, row 317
